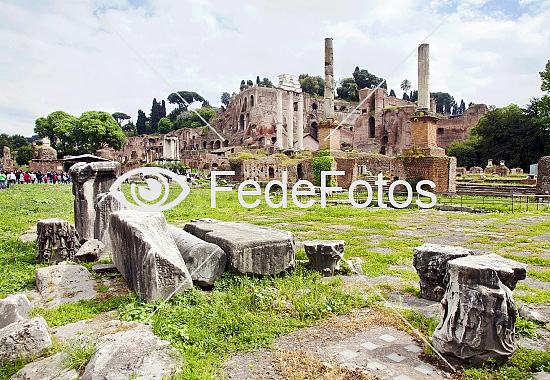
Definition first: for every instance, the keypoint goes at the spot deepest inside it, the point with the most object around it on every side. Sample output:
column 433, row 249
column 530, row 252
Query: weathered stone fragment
column 430, row 261
column 91, row 250
column 196, row 252
column 250, row 249
column 23, row 339
column 325, row 255
column 146, row 254
column 508, row 271
column 58, row 241
column 52, row 368
column 104, row 268
column 105, row 204
column 135, row 353
column 89, row 180
column 479, row 313
column 64, row 283
column 535, row 313
column 14, row 308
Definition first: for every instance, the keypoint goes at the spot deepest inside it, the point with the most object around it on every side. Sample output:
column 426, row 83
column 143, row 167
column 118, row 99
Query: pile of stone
column 475, row 291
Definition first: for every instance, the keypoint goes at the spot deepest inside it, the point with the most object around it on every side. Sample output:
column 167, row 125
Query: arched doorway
column 372, row 130
column 313, row 130
column 271, row 172
column 217, row 144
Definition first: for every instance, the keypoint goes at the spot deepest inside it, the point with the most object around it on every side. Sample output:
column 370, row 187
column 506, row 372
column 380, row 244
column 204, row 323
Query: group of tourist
column 10, row 178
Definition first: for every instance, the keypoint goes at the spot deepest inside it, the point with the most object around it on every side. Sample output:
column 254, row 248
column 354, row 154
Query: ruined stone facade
column 384, row 126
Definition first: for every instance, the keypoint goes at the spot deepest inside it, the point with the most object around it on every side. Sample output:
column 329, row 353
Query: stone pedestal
column 57, row 241
column 89, row 180
column 329, row 136
column 543, row 177
column 430, row 262
column 325, row 255
column 479, row 310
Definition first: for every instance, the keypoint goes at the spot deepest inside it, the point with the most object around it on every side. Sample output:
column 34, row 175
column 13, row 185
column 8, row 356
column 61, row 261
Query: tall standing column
column 290, row 121
column 329, row 80
column 424, row 76
column 300, row 117
column 279, row 142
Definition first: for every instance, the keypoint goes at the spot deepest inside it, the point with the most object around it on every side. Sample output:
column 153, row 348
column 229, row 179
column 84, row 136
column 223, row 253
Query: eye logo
column 156, row 188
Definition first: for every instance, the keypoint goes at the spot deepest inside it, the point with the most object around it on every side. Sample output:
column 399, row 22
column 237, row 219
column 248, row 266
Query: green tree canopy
column 364, row 79
column 164, row 125
column 59, row 128
column 188, row 96
column 466, row 152
column 120, row 117
column 405, row 85
column 189, row 119
column 444, row 102
column 24, row 154
column 266, row 83
column 313, row 85
column 348, row 90
column 141, row 123
column 509, row 134
column 97, row 129
column 392, row 93
column 225, row 98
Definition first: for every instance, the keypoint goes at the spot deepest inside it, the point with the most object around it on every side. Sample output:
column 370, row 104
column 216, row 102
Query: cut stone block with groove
column 146, row 254
column 250, row 249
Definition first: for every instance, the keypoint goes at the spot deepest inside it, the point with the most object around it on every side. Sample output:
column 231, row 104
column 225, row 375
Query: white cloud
column 59, row 55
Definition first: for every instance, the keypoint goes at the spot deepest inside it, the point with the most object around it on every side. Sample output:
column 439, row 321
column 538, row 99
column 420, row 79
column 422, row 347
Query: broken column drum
column 325, row 255
column 479, row 311
column 89, row 180
column 57, row 241
column 430, row 262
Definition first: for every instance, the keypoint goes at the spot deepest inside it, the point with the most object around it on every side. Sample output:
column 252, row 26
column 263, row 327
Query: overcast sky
column 71, row 56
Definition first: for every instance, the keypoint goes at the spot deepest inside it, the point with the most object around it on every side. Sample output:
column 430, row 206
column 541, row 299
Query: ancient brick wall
column 440, row 170
column 459, row 127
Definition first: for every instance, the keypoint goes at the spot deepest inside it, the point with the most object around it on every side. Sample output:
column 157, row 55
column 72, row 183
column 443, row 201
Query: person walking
column 3, row 180
column 11, row 179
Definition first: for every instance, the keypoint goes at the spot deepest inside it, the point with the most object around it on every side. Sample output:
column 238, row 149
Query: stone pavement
column 382, row 351
column 362, row 341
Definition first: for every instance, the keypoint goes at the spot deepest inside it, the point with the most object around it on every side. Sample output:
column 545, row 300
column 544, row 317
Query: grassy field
column 244, row 313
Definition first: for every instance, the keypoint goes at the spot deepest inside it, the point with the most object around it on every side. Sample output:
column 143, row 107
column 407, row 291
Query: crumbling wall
column 543, row 177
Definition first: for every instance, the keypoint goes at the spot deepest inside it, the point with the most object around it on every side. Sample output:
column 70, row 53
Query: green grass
column 520, row 366
column 243, row 313
column 79, row 352
column 83, row 309
column 533, row 295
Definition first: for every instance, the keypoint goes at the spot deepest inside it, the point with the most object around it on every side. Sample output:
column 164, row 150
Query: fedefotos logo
column 156, row 191
column 306, row 188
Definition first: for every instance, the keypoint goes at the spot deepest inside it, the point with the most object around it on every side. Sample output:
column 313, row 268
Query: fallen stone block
column 51, row 368
column 146, row 254
column 479, row 313
column 64, row 283
column 14, row 308
column 104, row 268
column 105, row 205
column 58, row 241
column 250, row 249
column 430, row 261
column 325, row 255
column 91, row 250
column 535, row 313
column 135, row 353
column 24, row 339
column 196, row 252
